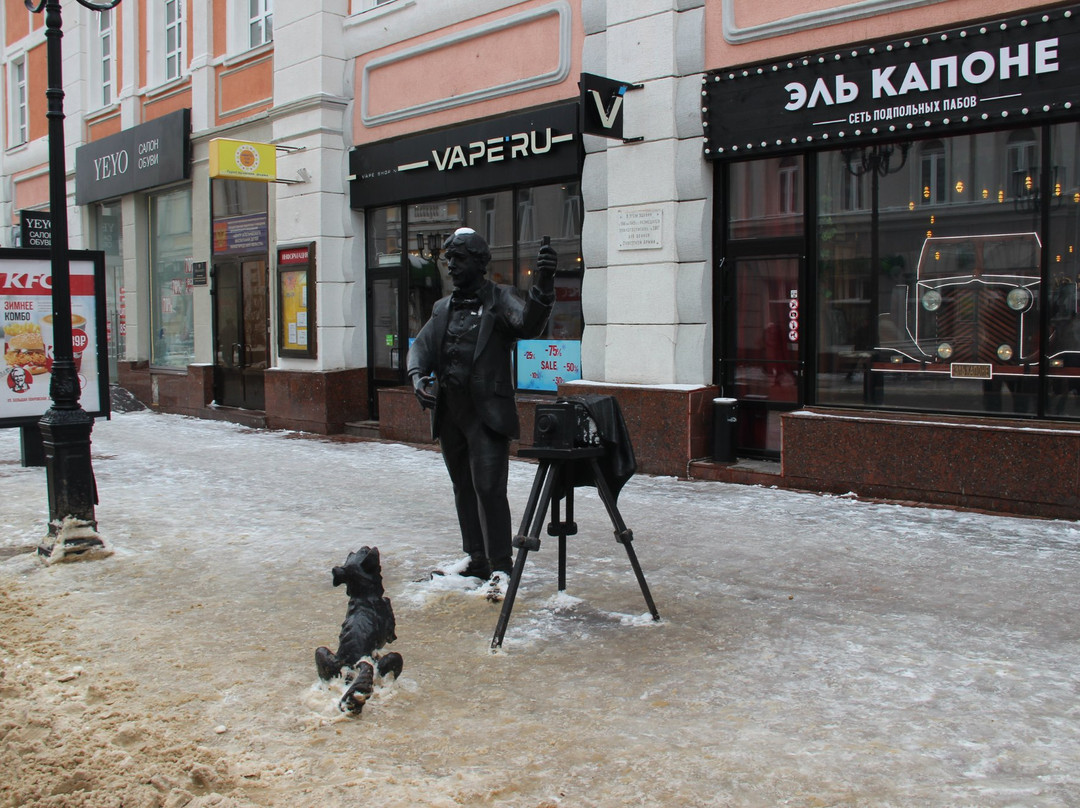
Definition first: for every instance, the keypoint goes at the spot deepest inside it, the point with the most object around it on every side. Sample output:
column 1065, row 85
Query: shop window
column 172, row 319
column 1063, row 274
column 929, row 310
column 409, row 240
column 17, row 101
column 387, row 341
column 108, row 237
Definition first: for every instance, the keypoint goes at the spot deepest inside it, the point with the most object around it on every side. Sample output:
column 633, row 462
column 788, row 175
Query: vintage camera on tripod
column 564, row 425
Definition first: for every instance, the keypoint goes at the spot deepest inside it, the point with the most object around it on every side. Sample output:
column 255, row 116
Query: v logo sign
column 607, row 116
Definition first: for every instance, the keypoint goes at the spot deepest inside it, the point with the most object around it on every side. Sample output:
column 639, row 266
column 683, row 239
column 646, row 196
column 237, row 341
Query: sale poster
column 545, row 364
column 28, row 335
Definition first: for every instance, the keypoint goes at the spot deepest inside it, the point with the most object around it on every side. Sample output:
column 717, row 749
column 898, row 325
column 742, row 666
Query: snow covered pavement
column 813, row 651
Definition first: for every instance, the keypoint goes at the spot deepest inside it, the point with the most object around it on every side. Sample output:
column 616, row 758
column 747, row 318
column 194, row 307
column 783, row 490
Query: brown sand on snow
column 71, row 735
column 122, row 694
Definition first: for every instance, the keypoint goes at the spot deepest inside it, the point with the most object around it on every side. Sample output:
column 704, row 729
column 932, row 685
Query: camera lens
column 546, row 423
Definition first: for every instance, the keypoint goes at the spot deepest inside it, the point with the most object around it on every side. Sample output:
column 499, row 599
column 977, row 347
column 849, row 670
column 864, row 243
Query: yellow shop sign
column 242, row 160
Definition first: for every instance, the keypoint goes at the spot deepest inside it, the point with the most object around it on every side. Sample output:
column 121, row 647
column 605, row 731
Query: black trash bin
column 725, row 419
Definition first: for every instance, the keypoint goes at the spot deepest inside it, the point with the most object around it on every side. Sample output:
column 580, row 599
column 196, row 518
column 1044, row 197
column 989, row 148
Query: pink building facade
column 829, row 247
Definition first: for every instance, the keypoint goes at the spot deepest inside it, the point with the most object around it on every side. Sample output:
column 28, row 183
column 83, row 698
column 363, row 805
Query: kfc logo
column 19, row 380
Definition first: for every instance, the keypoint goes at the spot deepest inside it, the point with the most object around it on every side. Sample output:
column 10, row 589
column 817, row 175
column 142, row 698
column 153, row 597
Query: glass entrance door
column 765, row 369
column 241, row 332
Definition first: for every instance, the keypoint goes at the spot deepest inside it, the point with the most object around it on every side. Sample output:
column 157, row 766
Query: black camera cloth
column 606, row 430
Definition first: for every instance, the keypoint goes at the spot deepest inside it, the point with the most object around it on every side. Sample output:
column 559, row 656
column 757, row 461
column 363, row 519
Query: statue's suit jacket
column 506, row 318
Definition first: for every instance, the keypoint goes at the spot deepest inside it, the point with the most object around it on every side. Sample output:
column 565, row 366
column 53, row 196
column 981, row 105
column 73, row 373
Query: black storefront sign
column 523, row 148
column 35, row 228
column 1008, row 71
column 145, row 156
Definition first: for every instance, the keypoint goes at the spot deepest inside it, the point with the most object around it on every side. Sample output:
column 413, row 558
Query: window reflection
column 933, row 177
column 765, row 198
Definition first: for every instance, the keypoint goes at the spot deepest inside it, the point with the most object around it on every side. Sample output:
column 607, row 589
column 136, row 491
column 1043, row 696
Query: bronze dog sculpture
column 369, row 625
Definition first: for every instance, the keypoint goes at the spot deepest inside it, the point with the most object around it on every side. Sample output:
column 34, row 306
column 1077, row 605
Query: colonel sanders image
column 19, row 380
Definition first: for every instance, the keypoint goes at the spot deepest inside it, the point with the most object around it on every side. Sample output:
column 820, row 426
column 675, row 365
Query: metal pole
column 65, row 427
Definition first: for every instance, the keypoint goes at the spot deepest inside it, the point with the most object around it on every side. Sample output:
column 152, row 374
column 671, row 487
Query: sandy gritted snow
column 813, row 651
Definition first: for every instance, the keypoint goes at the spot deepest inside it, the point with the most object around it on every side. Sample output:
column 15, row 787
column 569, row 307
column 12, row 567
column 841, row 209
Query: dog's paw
column 391, row 663
column 326, row 663
column 362, row 686
column 497, row 586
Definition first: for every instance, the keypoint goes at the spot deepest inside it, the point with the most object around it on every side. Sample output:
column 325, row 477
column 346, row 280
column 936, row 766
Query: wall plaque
column 640, row 229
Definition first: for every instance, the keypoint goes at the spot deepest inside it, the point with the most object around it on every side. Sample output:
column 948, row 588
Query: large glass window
column 513, row 222
column 172, row 319
column 929, row 299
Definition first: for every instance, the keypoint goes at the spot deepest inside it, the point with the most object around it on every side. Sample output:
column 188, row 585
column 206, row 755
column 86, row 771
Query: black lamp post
column 65, row 427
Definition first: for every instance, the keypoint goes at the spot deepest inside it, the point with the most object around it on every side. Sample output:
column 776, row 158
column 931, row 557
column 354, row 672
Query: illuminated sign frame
column 1019, row 69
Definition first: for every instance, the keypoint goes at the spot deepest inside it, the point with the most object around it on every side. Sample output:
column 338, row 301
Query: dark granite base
column 315, row 401
column 308, row 401
column 1028, row 468
column 668, row 426
column 1018, row 467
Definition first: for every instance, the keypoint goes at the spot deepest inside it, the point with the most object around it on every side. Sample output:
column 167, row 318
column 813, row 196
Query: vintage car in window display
column 972, row 312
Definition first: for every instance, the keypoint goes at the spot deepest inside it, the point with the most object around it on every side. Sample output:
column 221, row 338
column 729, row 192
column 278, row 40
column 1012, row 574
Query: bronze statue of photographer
column 461, row 366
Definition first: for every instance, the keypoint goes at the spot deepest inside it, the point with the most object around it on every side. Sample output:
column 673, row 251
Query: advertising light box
column 27, row 333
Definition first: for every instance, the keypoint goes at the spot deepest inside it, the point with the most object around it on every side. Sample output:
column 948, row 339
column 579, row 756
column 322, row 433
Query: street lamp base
column 73, row 540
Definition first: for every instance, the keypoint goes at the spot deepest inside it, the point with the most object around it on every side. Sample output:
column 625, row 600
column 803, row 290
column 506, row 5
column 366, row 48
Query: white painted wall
column 648, row 311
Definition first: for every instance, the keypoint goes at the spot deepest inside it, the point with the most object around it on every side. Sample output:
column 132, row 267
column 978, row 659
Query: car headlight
column 1019, row 299
column 931, row 300
column 944, row 350
column 1057, row 362
column 1004, row 352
